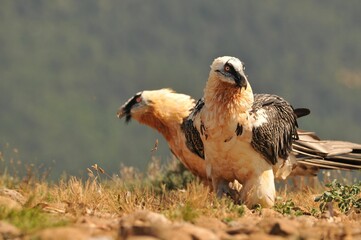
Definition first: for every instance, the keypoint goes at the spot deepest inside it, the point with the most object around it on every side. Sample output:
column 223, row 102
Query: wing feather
column 273, row 138
column 193, row 138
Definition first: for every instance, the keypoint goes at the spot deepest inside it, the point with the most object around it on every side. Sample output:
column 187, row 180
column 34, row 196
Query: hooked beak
column 124, row 111
column 121, row 112
column 126, row 108
column 241, row 81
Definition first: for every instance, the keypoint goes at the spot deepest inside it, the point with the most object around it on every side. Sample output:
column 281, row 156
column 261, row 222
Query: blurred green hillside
column 66, row 66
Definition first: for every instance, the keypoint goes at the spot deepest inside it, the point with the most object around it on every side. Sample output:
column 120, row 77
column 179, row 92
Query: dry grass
column 105, row 196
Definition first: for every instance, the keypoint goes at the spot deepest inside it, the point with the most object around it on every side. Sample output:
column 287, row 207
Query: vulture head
column 229, row 70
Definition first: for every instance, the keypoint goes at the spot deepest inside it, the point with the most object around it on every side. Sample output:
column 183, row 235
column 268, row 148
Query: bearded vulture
column 245, row 137
column 165, row 110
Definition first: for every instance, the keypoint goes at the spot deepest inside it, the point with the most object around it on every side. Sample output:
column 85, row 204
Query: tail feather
column 309, row 150
column 301, row 112
column 330, row 164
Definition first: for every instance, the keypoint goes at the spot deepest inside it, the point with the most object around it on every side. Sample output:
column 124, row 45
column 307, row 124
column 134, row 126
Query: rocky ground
column 147, row 225
column 266, row 224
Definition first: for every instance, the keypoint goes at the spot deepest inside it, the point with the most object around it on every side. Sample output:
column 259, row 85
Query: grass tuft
column 30, row 219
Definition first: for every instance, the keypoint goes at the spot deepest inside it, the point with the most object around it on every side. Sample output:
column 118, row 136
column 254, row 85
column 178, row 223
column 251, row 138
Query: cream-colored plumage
column 230, row 156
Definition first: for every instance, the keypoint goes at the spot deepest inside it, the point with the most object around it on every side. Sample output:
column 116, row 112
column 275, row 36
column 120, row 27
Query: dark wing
column 273, row 139
column 193, row 139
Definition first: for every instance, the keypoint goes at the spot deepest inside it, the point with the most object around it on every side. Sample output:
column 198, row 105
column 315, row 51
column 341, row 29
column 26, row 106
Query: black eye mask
column 129, row 105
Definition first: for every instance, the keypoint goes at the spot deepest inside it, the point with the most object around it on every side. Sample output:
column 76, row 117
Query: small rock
column 241, row 229
column 8, row 231
column 52, row 208
column 243, row 226
column 9, row 203
column 145, row 223
column 142, row 238
column 101, row 237
column 15, row 195
column 60, row 233
column 195, row 232
column 284, row 227
column 306, row 221
column 103, row 224
column 210, row 223
column 142, row 223
column 266, row 212
column 145, row 217
column 264, row 236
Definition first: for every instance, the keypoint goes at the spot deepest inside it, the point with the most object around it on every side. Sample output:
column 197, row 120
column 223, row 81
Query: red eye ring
column 138, row 99
column 227, row 68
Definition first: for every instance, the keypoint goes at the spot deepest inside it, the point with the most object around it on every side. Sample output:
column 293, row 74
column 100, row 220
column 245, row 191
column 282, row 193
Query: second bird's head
column 162, row 104
column 134, row 105
column 229, row 70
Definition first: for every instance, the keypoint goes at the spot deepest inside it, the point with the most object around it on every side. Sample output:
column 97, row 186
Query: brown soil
column 146, row 225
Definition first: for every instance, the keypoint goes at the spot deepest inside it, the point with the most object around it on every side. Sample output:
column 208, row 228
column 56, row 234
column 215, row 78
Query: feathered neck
column 166, row 112
column 226, row 100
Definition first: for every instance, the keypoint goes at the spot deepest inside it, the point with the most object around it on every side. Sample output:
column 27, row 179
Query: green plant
column 28, row 219
column 172, row 177
column 347, row 197
column 287, row 208
column 238, row 209
column 188, row 212
column 185, row 211
column 314, row 212
column 227, row 219
column 257, row 208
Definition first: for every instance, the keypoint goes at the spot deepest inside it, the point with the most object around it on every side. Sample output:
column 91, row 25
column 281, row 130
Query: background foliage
column 66, row 66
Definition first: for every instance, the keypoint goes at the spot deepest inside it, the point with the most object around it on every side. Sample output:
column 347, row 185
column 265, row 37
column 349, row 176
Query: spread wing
column 193, row 138
column 275, row 127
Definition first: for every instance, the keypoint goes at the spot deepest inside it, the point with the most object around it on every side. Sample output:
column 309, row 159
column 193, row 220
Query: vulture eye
column 138, row 99
column 227, row 68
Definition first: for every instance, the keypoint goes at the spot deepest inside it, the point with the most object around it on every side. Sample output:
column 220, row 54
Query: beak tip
column 120, row 114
